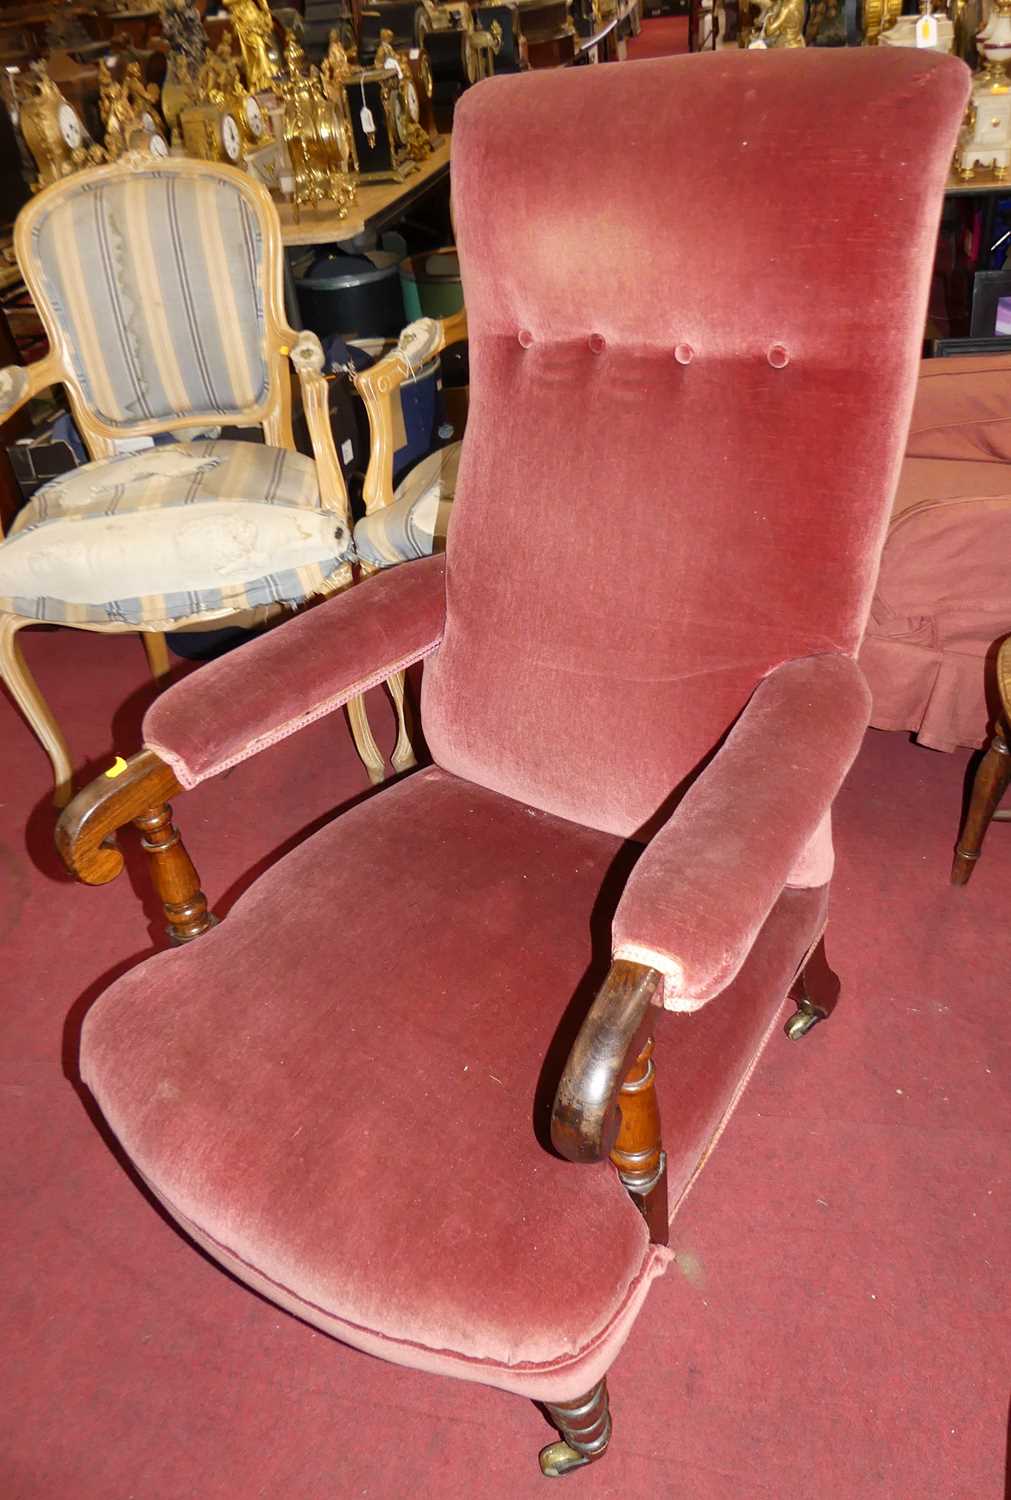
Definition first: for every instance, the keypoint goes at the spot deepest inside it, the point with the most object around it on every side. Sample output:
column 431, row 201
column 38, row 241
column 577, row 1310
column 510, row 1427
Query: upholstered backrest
column 155, row 279
column 695, row 291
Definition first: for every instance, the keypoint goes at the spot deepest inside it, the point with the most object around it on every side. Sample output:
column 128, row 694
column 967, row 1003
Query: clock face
column 157, row 145
column 254, row 117
column 230, row 138
column 413, row 107
column 70, row 126
column 148, row 122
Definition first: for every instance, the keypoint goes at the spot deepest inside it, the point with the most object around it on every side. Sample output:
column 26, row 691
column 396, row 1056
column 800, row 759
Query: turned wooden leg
column 637, row 1151
column 585, row 1426
column 403, row 751
column 989, row 786
column 157, row 650
column 174, row 878
column 24, row 690
column 815, row 992
column 365, row 743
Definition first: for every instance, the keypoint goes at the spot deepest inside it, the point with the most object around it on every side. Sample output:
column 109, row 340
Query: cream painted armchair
column 159, row 284
column 410, row 520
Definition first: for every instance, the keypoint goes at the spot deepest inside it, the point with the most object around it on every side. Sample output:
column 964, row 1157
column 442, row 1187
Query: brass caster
column 561, row 1458
column 803, row 1019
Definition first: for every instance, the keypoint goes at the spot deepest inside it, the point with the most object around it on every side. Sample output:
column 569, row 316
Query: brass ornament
column 317, row 136
column 784, row 24
column 254, row 27
column 52, row 130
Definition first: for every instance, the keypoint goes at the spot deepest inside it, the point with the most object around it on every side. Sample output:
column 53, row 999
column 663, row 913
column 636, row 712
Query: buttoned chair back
column 682, row 443
column 160, row 289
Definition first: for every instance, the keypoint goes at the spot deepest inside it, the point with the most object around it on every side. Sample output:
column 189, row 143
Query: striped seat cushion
column 185, row 531
column 155, row 281
column 416, row 523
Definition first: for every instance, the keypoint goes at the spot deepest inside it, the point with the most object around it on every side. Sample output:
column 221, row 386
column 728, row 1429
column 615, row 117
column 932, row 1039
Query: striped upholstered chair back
column 159, row 283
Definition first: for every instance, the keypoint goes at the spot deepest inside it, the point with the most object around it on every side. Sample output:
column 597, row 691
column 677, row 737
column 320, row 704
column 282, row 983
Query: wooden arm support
column 378, row 386
column 135, row 791
column 605, row 1104
column 306, row 354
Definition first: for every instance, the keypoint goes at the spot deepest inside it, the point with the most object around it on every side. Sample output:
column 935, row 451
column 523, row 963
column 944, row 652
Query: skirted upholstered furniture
column 992, row 779
column 633, row 767
column 412, row 520
column 159, row 284
column 942, row 603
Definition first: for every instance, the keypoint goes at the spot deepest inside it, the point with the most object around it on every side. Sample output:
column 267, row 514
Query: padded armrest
column 699, row 895
column 301, row 670
column 19, row 383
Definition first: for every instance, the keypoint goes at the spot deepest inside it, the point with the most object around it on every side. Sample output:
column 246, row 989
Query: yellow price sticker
column 117, row 768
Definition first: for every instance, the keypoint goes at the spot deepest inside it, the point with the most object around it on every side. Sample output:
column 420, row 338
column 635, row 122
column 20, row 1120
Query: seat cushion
column 184, row 531
column 962, row 409
column 343, row 1092
column 943, row 598
column 417, row 522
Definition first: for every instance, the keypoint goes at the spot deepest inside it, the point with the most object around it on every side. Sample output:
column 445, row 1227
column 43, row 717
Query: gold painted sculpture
column 879, row 16
column 407, row 109
column 128, row 113
column 220, row 83
column 784, row 24
column 254, row 26
column 334, row 67
column 317, row 136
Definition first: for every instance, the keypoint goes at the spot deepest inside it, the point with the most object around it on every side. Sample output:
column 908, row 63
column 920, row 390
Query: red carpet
column 836, row 1326
column 660, row 37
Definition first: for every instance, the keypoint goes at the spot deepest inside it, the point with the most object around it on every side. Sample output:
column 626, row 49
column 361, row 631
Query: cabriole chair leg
column 156, row 647
column 585, row 1426
column 25, row 692
column 988, row 787
column 403, row 751
column 365, row 742
column 815, row 992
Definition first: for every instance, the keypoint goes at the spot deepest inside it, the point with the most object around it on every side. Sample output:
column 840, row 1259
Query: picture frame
column 991, row 304
column 952, row 348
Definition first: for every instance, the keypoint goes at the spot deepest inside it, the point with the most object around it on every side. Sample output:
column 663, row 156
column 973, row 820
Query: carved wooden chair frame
column 273, row 414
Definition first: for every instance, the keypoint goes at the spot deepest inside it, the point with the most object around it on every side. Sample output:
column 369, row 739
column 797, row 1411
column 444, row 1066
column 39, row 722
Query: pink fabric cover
column 368, row 1147
column 638, row 538
column 309, row 667
column 943, row 599
column 741, row 828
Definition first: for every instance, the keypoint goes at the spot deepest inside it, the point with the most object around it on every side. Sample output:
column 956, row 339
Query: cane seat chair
column 633, row 768
column 159, row 284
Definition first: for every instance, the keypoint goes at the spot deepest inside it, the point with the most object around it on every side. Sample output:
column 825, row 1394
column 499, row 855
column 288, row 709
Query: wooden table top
column 377, row 205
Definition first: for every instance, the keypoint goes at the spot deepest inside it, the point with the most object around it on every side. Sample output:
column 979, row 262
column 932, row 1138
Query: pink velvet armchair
column 633, row 766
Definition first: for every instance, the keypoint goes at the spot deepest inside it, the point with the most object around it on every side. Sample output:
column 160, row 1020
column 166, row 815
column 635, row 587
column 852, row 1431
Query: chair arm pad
column 701, row 891
column 296, row 673
column 19, row 383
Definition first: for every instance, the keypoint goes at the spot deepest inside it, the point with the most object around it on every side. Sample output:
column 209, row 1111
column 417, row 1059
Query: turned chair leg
column 174, row 877
column 25, row 692
column 157, row 650
column 637, row 1151
column 815, row 992
column 988, row 787
column 585, row 1426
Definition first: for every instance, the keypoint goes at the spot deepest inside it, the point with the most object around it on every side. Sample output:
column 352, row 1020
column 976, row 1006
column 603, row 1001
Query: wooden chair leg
column 815, row 991
column 25, row 692
column 365, row 743
column 585, row 1426
column 174, row 877
column 157, row 650
column 403, row 756
column 990, row 784
column 637, row 1151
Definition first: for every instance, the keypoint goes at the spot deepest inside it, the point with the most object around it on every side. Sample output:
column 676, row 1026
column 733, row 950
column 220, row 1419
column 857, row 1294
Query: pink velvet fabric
column 696, row 900
column 682, row 442
column 299, row 672
column 943, row 598
column 368, row 1147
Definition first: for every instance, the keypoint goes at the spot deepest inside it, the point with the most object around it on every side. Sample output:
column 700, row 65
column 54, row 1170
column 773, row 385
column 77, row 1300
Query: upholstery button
column 597, row 343
column 525, row 337
column 778, row 357
column 684, row 354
